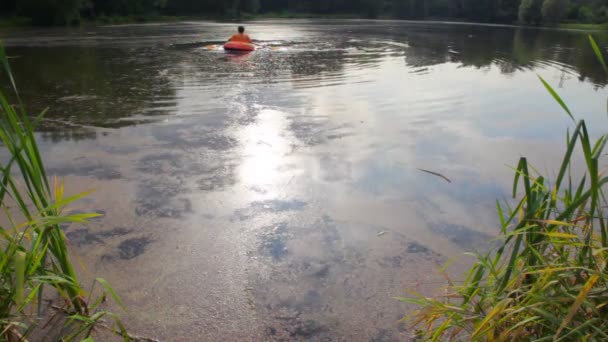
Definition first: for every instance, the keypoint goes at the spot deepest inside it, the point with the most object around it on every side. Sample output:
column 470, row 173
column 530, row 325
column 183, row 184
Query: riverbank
column 587, row 27
column 17, row 21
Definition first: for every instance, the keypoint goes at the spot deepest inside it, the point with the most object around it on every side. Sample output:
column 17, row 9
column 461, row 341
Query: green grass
column 548, row 281
column 34, row 257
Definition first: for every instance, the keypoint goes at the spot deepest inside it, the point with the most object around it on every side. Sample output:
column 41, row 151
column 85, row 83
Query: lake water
column 278, row 195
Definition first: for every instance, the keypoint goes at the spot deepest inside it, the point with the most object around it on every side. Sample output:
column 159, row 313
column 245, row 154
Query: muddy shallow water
column 278, row 195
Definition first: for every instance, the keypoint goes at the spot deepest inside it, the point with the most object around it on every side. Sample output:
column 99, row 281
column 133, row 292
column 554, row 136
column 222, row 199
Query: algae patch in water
column 132, row 248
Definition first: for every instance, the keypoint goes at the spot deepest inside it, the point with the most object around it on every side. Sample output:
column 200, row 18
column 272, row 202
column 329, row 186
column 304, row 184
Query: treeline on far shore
column 535, row 12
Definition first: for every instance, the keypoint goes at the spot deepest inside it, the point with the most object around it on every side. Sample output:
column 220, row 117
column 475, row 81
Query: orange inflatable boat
column 239, row 46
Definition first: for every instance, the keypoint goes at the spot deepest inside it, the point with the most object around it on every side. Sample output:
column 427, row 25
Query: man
column 241, row 36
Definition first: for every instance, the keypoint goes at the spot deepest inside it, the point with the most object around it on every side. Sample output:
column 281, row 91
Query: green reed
column 548, row 280
column 34, row 254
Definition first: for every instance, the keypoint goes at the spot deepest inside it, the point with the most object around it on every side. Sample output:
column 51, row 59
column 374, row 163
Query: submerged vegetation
column 548, row 280
column 38, row 282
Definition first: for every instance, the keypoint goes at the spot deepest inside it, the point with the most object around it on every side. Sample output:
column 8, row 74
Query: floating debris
column 436, row 174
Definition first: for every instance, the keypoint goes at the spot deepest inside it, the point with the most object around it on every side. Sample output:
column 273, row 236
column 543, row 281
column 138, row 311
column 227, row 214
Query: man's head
column 241, row 29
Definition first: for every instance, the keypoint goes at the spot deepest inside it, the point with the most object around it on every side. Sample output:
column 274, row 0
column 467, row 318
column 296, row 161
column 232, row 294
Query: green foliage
column 61, row 12
column 508, row 10
column 585, row 15
column 480, row 10
column 372, row 8
column 547, row 281
column 8, row 6
column 33, row 251
column 51, row 12
column 601, row 15
column 530, row 11
column 126, row 7
column 554, row 10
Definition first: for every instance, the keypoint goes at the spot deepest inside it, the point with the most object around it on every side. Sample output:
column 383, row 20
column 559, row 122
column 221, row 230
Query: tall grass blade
column 598, row 53
column 34, row 254
column 556, row 97
column 19, row 261
column 577, row 303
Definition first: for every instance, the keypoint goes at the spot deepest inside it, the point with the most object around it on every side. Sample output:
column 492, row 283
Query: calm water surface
column 277, row 195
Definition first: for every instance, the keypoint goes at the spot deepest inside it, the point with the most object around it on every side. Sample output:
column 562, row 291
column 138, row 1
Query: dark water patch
column 96, row 170
column 317, row 130
column 384, row 335
column 394, row 261
column 211, row 141
column 270, row 331
column 121, row 149
column 401, row 326
column 309, row 329
column 217, row 178
column 310, row 133
column 216, row 142
column 58, row 132
column 132, row 248
column 274, row 241
column 412, row 252
column 275, row 247
column 318, row 261
column 329, row 230
column 160, row 197
column 292, row 327
column 308, row 302
column 415, row 247
column 215, row 173
column 83, row 236
column 315, row 271
column 290, row 319
column 464, row 237
column 319, row 271
column 166, row 162
column 196, row 136
column 269, row 206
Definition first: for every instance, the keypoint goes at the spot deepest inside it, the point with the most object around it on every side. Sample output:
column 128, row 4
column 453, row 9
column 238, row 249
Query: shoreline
column 19, row 22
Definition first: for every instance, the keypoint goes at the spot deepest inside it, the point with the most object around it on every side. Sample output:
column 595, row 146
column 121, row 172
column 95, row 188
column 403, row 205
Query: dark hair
column 241, row 29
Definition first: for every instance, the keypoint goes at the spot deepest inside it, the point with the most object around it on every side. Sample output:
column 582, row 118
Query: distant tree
column 52, row 12
column 554, row 10
column 372, row 8
column 480, row 10
column 127, row 7
column 601, row 14
column 530, row 11
column 585, row 14
column 8, row 6
column 508, row 10
column 250, row 6
column 439, row 8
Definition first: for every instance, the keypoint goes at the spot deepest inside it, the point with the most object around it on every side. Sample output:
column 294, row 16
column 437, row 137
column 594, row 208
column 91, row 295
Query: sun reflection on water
column 265, row 150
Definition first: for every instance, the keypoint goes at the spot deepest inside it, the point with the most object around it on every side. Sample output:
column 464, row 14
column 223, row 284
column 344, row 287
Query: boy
column 241, row 36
